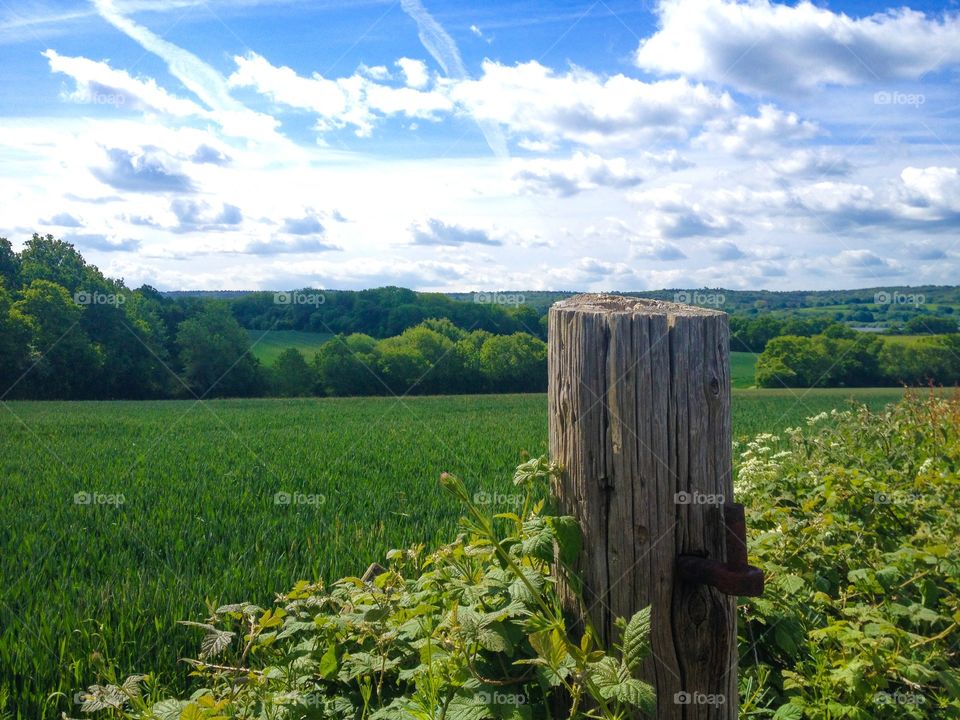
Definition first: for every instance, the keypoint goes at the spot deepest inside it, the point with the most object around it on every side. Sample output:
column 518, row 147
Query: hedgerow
column 855, row 522
column 473, row 630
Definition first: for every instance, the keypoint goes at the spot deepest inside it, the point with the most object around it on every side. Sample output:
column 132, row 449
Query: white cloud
column 674, row 211
column 766, row 47
column 98, row 83
column 305, row 244
column 760, row 135
column 63, row 220
column 353, row 101
column 414, row 72
column 532, row 100
column 577, row 174
column 144, row 170
column 437, row 232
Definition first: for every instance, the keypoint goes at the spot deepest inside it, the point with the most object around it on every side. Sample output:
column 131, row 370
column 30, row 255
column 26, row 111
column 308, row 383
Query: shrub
column 471, row 631
column 856, row 526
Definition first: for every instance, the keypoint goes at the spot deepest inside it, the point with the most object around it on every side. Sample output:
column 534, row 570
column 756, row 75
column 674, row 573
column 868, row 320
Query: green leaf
column 636, row 639
column 789, row 712
column 636, row 693
column 328, row 662
column 569, row 537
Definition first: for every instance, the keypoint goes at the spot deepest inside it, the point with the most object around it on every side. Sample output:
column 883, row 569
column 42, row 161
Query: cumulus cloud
column 760, row 135
column 575, row 175
column 725, row 250
column 657, row 250
column 354, row 101
column 195, row 215
column 206, row 154
column 533, row 100
column 818, row 162
column 674, row 212
column 437, row 232
column 103, row 243
column 309, row 224
column 866, row 263
column 414, row 72
column 98, row 83
column 287, row 247
column 766, row 47
column 588, row 171
column 146, row 170
column 63, row 220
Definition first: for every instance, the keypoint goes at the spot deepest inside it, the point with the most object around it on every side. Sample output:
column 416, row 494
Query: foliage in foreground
column 856, row 524
column 472, row 631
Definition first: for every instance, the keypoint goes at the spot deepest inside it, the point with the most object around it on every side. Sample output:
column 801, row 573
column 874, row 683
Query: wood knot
column 715, row 386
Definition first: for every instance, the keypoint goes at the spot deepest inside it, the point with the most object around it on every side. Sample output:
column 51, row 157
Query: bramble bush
column 471, row 631
column 855, row 522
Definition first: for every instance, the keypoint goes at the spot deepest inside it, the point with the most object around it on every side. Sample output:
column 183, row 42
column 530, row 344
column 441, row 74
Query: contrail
column 198, row 77
column 444, row 50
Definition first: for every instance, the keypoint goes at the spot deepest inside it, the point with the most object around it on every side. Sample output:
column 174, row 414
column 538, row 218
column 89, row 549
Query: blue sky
column 513, row 145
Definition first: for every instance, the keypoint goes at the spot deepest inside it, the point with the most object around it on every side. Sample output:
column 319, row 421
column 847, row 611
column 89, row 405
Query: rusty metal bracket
column 733, row 577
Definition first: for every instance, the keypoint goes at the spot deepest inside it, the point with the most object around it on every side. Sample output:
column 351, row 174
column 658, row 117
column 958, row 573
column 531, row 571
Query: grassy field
column 122, row 518
column 268, row 344
column 743, row 367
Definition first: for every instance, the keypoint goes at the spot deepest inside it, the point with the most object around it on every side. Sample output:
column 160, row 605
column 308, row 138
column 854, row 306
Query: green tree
column 347, row 366
column 292, row 376
column 930, row 325
column 515, row 363
column 9, row 265
column 14, row 343
column 791, row 361
column 214, row 354
column 46, row 258
column 64, row 362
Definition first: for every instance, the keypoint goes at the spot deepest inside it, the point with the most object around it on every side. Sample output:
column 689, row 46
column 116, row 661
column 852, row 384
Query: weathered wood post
column 639, row 402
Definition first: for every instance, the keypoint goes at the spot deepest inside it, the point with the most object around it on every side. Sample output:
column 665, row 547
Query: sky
column 437, row 145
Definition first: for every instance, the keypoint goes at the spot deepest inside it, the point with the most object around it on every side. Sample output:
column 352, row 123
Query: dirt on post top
column 606, row 303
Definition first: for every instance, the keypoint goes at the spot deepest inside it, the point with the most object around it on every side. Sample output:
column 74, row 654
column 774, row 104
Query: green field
column 743, row 367
column 186, row 510
column 268, row 344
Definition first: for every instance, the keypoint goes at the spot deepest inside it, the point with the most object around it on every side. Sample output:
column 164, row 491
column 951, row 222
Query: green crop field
column 743, row 367
column 121, row 518
column 268, row 344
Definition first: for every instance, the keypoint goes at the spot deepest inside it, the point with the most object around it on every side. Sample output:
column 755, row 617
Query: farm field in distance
column 266, row 345
column 125, row 517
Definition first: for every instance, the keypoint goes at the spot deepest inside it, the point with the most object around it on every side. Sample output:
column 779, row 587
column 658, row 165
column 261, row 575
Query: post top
column 606, row 303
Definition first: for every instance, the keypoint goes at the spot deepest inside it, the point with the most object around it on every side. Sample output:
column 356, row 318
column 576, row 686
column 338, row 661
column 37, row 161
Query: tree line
column 69, row 332
column 751, row 334
column 841, row 357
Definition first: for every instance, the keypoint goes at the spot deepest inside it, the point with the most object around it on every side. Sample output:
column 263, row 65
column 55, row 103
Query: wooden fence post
column 639, row 412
